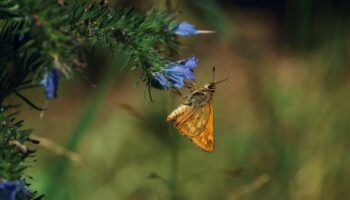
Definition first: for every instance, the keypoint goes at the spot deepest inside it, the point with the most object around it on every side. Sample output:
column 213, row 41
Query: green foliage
column 61, row 34
column 17, row 61
column 14, row 154
column 38, row 35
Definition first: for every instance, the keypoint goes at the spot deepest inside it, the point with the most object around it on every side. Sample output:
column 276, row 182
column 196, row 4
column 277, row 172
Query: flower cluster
column 174, row 74
column 12, row 190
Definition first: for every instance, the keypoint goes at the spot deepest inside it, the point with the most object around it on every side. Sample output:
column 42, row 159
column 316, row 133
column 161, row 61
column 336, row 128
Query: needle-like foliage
column 39, row 35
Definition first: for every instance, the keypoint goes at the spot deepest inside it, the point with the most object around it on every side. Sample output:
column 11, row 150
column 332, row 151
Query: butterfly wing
column 205, row 140
column 189, row 120
column 180, row 114
column 196, row 123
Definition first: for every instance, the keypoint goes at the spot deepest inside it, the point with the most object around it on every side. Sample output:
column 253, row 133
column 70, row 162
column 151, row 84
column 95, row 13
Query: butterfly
column 195, row 117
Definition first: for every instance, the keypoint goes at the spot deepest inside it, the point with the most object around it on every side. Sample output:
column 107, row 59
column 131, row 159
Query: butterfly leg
column 176, row 91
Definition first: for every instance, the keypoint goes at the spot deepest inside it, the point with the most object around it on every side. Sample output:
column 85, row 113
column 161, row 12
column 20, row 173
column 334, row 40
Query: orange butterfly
column 194, row 118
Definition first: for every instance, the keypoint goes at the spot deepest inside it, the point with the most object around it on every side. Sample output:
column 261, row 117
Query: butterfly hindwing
column 205, row 140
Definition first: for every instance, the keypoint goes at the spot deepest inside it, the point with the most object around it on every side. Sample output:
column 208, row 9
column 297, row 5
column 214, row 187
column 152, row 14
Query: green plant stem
column 174, row 157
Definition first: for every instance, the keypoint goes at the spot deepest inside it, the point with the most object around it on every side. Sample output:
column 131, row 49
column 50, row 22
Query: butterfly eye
column 211, row 86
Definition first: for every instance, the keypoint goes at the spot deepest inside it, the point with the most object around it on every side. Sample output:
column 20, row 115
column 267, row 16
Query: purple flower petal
column 50, row 83
column 161, row 81
column 11, row 190
column 191, row 62
column 185, row 29
column 174, row 74
column 182, row 71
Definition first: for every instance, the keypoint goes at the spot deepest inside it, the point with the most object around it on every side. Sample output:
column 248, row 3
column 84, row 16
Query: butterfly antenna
column 221, row 80
column 213, row 74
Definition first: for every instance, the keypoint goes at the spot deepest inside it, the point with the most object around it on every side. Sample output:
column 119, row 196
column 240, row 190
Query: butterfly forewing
column 205, row 139
column 196, row 121
column 180, row 114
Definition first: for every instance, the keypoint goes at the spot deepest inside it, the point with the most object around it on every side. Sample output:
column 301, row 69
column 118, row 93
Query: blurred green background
column 282, row 119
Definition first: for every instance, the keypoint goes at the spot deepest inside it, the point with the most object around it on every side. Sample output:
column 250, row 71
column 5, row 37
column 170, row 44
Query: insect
column 195, row 117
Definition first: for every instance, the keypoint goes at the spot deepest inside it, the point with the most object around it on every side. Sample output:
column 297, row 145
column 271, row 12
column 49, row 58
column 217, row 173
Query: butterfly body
column 194, row 118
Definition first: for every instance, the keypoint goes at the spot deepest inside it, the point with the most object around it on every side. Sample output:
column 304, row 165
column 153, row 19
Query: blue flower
column 174, row 74
column 50, row 83
column 185, row 29
column 12, row 190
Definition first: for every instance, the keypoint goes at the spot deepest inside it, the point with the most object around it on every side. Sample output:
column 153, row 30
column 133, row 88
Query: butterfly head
column 210, row 87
